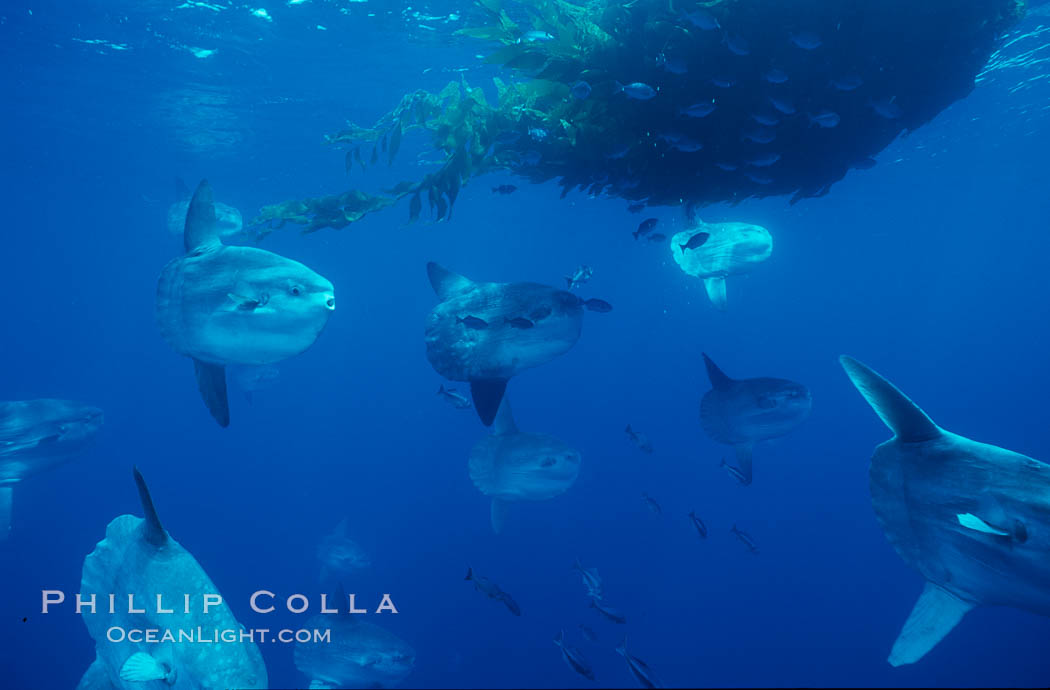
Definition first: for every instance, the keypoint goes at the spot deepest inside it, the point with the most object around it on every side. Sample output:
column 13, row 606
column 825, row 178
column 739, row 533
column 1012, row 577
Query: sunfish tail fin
column 487, row 395
column 211, row 380
column 6, row 498
column 904, row 418
column 743, row 462
column 155, row 533
column 498, row 514
column 201, row 228
column 719, row 381
column 716, row 290
column 935, row 614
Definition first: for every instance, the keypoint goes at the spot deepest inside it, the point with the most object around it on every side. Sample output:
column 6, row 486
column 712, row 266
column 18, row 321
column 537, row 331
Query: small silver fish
column 651, row 504
column 636, row 90
column 702, row 109
column 453, row 398
column 759, row 135
column 701, row 528
column 825, row 118
column 591, row 580
column 806, row 40
column 580, row 276
column 735, row 472
column 775, row 76
column 745, row 538
column 847, row 82
column 609, row 612
column 783, row 105
column 639, row 438
column 573, row 657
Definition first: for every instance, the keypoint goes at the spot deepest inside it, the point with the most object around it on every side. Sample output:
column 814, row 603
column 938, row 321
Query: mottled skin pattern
column 360, row 654
column 918, row 489
column 731, row 248
column 126, row 563
column 523, row 466
column 923, row 481
column 753, row 410
column 199, row 316
column 460, row 353
column 38, row 435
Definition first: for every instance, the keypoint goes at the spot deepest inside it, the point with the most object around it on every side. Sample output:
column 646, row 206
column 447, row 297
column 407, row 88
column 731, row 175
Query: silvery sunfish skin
column 359, row 654
column 489, row 356
column 224, row 305
column 972, row 518
column 729, row 249
column 138, row 557
column 36, row 436
column 512, row 465
column 742, row 412
column 339, row 555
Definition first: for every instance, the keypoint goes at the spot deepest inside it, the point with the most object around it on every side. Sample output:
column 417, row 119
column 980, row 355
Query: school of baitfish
column 973, row 519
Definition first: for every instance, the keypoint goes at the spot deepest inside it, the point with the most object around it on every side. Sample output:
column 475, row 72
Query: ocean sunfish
column 485, row 333
column 512, row 465
column 36, row 436
column 340, row 555
column 743, row 412
column 972, row 518
column 138, row 557
column 358, row 654
column 223, row 305
column 730, row 249
column 228, row 220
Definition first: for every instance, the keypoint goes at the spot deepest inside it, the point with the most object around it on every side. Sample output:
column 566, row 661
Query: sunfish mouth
column 330, row 302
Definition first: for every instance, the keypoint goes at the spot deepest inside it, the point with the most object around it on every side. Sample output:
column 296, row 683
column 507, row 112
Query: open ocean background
column 931, row 267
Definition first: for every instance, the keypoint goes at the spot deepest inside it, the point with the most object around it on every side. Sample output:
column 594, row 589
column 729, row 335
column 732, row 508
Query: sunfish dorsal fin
column 504, row 423
column 155, row 533
column 487, row 395
column 211, row 382
column 719, row 381
column 716, row 291
column 182, row 192
column 201, row 229
column 904, row 418
column 445, row 282
column 935, row 614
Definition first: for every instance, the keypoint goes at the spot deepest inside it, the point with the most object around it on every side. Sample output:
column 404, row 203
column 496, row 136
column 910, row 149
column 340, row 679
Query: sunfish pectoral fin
column 487, row 395
column 904, row 418
column 716, row 291
column 211, row 380
column 971, row 521
column 201, row 229
column 743, row 462
column 143, row 668
column 498, row 514
column 934, row 616
column 6, row 497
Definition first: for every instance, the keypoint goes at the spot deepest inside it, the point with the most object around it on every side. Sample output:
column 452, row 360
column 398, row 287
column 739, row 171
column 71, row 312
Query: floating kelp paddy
column 669, row 102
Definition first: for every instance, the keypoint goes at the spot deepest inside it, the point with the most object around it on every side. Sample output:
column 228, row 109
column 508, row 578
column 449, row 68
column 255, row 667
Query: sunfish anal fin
column 498, row 514
column 201, row 231
column 904, row 418
column 6, row 497
column 935, row 614
column 211, row 381
column 716, row 291
column 487, row 395
column 504, row 423
column 743, row 462
column 445, row 282
column 971, row 521
column 142, row 668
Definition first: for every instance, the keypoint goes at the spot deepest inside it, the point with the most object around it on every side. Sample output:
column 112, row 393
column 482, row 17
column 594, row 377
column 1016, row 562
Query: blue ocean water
column 930, row 267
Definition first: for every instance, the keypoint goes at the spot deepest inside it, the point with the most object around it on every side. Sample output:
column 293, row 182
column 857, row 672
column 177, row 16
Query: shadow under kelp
column 671, row 102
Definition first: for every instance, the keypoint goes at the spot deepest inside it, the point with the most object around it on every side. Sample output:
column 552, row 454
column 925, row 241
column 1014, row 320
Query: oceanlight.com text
column 201, row 635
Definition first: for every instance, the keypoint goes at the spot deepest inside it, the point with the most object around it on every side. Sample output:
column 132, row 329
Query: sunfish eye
column 296, row 290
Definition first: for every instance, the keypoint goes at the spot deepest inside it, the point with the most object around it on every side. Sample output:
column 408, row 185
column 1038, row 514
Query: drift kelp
column 678, row 102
